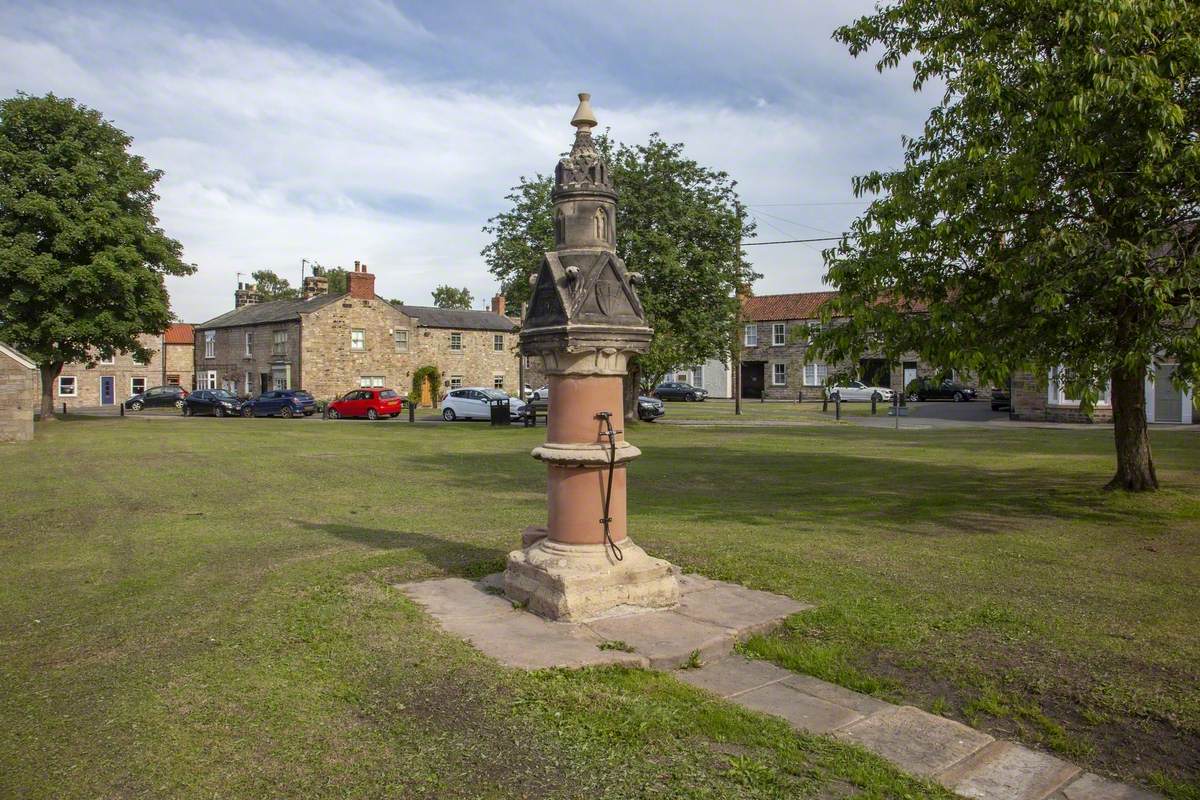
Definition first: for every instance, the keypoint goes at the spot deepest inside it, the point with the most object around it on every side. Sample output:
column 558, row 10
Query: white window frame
column 815, row 373
column 249, row 343
column 279, row 342
column 778, row 334
column 498, row 342
column 697, row 377
column 210, row 344
column 1057, row 395
column 498, row 380
column 358, row 339
column 456, row 342
column 750, row 336
column 400, row 339
column 455, row 382
column 776, row 369
column 108, row 360
column 133, row 389
column 74, row 386
column 249, row 379
column 210, row 379
column 370, row 382
column 280, row 378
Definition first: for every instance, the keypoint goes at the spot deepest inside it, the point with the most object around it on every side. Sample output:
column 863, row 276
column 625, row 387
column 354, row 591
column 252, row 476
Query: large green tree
column 272, row 286
column 449, row 297
column 336, row 277
column 678, row 223
column 1045, row 217
column 82, row 258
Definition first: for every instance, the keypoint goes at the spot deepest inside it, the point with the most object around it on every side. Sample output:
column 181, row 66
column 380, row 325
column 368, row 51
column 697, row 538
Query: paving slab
column 730, row 676
column 745, row 610
column 1092, row 787
column 862, row 703
column 920, row 743
column 666, row 639
column 803, row 711
column 1006, row 771
column 457, row 597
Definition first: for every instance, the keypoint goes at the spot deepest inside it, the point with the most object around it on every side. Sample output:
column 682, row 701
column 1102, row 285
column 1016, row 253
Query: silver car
column 857, row 390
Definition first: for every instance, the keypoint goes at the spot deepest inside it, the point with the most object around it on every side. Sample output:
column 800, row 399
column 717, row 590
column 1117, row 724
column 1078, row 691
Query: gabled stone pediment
column 587, row 287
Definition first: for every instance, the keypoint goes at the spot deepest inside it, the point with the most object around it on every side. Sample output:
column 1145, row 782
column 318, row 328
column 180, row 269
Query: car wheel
column 690, row 397
column 220, row 412
column 247, row 411
column 448, row 415
column 286, row 412
column 179, row 404
column 372, row 414
column 136, row 405
column 333, row 413
column 958, row 397
column 913, row 398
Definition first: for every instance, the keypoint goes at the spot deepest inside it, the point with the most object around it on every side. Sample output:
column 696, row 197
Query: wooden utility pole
column 735, row 351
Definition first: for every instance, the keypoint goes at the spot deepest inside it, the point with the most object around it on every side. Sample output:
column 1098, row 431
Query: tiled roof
column 273, row 311
column 804, row 305
column 458, row 319
column 179, row 333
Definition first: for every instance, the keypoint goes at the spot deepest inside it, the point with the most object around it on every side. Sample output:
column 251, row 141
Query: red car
column 369, row 403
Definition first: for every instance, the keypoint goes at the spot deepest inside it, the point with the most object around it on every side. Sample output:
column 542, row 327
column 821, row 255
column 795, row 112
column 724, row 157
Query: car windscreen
column 387, row 393
column 221, row 394
column 302, row 395
column 494, row 394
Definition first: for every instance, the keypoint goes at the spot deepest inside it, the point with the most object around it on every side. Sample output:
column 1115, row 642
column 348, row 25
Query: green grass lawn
column 204, row 608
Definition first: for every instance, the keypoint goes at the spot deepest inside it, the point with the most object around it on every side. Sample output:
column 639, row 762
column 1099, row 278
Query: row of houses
column 775, row 363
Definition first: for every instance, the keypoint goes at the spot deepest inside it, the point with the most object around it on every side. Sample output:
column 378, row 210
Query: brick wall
column 1031, row 401
column 178, row 359
column 230, row 362
column 18, row 399
column 123, row 370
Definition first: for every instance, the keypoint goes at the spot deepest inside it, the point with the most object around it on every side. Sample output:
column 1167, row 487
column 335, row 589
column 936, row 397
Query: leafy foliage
column 678, row 223
column 428, row 373
column 449, row 297
column 336, row 276
column 82, row 258
column 1045, row 215
column 273, row 287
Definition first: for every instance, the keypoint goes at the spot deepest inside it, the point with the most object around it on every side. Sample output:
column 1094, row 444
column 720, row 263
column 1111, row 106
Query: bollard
column 837, row 406
column 122, row 409
column 412, row 411
column 64, row 408
column 799, row 397
column 825, row 402
column 874, row 400
column 325, row 411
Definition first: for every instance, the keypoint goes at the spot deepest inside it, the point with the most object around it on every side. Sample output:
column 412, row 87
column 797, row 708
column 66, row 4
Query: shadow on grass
column 450, row 556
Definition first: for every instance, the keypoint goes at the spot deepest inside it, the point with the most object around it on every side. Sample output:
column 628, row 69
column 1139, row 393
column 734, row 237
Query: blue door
column 106, row 391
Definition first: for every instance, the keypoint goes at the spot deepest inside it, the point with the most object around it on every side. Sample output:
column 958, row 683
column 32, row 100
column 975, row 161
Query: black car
column 925, row 389
column 650, row 409
column 674, row 390
column 159, row 396
column 284, row 402
column 217, row 402
column 1001, row 398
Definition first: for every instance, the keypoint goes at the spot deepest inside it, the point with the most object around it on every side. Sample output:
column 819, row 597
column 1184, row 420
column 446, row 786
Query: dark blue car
column 284, row 402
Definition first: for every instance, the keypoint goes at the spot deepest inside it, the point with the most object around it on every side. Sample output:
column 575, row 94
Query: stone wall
column 331, row 367
column 123, row 371
column 19, row 398
column 179, row 361
column 478, row 363
column 1031, row 402
column 230, row 363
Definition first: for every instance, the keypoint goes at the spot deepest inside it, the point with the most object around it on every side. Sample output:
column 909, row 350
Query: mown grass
column 195, row 608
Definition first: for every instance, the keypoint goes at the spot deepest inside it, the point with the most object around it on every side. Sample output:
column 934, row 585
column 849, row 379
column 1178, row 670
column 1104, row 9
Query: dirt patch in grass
column 1053, row 707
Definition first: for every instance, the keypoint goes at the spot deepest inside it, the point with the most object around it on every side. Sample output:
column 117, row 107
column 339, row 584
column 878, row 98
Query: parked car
column 650, row 408
column 369, row 403
column 215, row 402
column 541, row 394
column 1001, row 398
column 159, row 396
column 474, row 402
column 925, row 389
column 284, row 402
column 674, row 390
column 857, row 390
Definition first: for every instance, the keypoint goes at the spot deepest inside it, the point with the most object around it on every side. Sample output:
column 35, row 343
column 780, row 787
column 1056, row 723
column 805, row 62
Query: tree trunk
column 1135, row 466
column 50, row 373
column 632, row 388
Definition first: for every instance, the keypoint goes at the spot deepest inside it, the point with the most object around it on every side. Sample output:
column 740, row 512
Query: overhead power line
column 794, row 241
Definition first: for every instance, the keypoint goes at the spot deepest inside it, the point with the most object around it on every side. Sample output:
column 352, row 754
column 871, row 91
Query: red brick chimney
column 498, row 305
column 360, row 283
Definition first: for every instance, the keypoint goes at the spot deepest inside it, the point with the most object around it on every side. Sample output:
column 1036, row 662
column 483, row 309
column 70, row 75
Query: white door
column 1168, row 400
column 910, row 375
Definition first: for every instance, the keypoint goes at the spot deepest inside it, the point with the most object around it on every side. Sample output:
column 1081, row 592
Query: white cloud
column 275, row 151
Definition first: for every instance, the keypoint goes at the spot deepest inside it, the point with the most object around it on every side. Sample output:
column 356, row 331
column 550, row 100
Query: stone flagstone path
column 713, row 616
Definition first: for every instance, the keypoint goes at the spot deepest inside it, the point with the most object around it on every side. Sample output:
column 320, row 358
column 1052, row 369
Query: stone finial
column 585, row 118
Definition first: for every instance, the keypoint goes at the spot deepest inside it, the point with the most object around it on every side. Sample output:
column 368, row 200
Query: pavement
column 696, row 641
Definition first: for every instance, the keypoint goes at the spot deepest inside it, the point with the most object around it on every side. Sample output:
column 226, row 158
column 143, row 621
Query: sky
column 389, row 132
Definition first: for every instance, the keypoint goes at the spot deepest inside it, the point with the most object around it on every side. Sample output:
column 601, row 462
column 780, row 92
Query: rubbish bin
column 501, row 413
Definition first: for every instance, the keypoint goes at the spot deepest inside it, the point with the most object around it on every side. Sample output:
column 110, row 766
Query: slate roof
column 458, row 319
column 804, row 305
column 179, row 333
column 273, row 311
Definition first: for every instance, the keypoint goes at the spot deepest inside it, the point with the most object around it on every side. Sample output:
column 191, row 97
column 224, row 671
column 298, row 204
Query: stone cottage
column 109, row 381
column 19, row 395
column 1042, row 398
column 178, row 359
column 329, row 344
